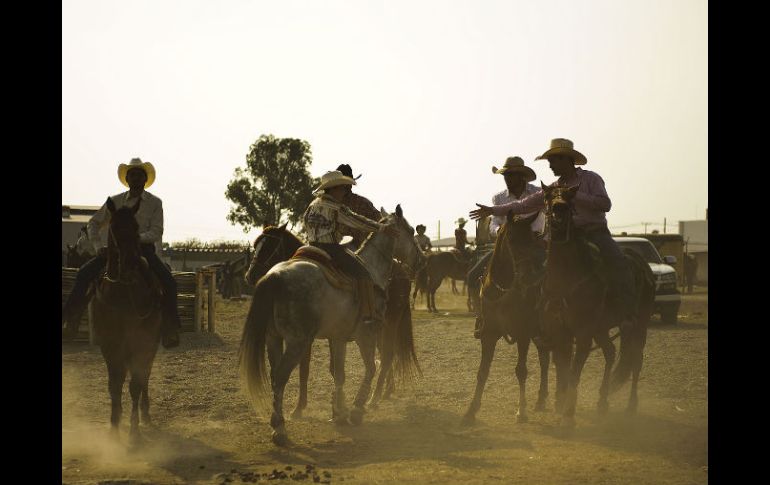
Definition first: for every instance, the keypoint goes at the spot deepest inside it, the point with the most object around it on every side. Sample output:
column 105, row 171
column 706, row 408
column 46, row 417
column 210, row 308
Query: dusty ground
column 206, row 431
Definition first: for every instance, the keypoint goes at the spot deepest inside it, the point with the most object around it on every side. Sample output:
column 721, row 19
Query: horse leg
column 608, row 349
column 116, row 372
column 289, row 360
column 390, row 386
column 385, row 372
column 304, row 371
column 562, row 355
column 521, row 375
column 488, row 344
column 366, row 344
column 339, row 409
column 636, row 369
column 135, row 387
column 582, row 349
column 544, row 357
column 274, row 346
column 454, row 288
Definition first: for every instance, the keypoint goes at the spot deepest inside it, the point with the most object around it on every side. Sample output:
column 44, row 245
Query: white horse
column 294, row 303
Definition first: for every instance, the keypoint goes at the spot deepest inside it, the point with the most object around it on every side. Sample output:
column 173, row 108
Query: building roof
column 76, row 219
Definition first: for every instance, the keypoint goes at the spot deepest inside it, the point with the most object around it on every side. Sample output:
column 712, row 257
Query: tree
column 275, row 187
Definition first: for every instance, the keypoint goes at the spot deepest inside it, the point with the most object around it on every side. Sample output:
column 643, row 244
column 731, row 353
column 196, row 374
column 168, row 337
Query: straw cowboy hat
column 516, row 164
column 562, row 146
column 461, row 221
column 333, row 178
column 123, row 169
column 347, row 171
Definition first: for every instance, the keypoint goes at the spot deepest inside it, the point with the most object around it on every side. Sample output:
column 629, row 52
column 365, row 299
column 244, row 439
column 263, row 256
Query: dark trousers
column 77, row 302
column 622, row 280
column 348, row 263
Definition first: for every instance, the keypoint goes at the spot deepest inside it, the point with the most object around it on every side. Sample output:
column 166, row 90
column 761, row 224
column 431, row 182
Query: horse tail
column 632, row 345
column 398, row 338
column 252, row 350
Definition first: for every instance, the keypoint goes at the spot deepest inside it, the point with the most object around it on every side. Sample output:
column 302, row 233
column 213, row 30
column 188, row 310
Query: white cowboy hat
column 516, row 164
column 331, row 179
column 123, row 169
column 562, row 146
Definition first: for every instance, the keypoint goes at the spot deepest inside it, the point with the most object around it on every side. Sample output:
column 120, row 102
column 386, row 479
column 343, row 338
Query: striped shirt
column 325, row 219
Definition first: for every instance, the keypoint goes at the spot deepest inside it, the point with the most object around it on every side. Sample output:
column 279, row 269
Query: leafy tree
column 275, row 187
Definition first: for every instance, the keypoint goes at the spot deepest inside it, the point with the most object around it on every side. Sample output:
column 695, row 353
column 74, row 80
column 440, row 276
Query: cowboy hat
column 516, row 164
column 562, row 146
column 461, row 221
column 123, row 169
column 333, row 178
column 347, row 171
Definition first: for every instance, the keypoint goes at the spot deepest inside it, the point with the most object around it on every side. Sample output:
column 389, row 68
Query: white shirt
column 149, row 217
column 504, row 197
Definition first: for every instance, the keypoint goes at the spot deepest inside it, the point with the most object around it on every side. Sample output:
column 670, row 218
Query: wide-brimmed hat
column 516, row 164
column 347, row 171
column 123, row 169
column 333, row 178
column 461, row 221
column 419, row 226
column 562, row 146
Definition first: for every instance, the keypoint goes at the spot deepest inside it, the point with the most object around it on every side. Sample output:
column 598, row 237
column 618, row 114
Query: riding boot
column 367, row 304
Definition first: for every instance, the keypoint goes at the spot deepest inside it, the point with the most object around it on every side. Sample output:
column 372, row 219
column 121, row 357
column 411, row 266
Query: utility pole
column 439, row 230
column 645, row 224
column 664, row 225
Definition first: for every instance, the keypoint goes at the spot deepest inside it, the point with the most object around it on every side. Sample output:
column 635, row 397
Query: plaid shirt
column 362, row 206
column 325, row 219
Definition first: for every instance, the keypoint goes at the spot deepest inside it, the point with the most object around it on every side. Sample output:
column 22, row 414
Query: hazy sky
column 422, row 97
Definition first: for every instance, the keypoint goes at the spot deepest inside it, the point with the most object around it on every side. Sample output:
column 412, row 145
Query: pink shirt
column 591, row 201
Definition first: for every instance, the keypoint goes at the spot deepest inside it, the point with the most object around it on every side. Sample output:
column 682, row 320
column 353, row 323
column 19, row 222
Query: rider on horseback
column 358, row 204
column 325, row 219
column 422, row 241
column 516, row 176
column 591, row 203
column 136, row 175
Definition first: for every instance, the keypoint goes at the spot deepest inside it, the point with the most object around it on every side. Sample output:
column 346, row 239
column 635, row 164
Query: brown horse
column 395, row 341
column 74, row 259
column 508, row 301
column 575, row 308
column 432, row 273
column 127, row 317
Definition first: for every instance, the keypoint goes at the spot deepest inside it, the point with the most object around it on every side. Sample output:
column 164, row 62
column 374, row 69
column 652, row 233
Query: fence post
column 198, row 313
column 212, row 292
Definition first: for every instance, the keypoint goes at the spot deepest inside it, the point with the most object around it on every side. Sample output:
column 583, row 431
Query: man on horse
column 423, row 241
column 358, row 204
column 461, row 238
column 137, row 176
column 325, row 220
column 591, row 203
column 517, row 177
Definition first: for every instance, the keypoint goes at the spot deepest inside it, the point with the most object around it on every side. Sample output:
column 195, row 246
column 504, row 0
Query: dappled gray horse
column 295, row 303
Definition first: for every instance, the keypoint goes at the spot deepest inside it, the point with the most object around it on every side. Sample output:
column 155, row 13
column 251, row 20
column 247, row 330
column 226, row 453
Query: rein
column 120, row 281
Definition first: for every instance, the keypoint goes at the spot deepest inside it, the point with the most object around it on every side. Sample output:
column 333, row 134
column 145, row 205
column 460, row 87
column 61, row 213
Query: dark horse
column 127, row 317
column 74, row 259
column 395, row 341
column 509, row 296
column 437, row 267
column 575, row 308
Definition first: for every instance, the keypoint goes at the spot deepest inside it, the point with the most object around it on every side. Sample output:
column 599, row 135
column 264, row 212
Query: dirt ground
column 206, row 431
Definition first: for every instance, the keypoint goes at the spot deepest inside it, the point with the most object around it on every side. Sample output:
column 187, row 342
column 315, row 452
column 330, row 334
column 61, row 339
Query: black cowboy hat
column 347, row 171
column 418, row 226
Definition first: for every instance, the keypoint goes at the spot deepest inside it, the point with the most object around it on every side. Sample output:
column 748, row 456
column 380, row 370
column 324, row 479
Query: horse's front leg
column 116, row 376
column 544, row 358
column 488, row 344
column 608, row 349
column 304, row 372
column 582, row 349
column 338, row 347
column 521, row 375
column 366, row 340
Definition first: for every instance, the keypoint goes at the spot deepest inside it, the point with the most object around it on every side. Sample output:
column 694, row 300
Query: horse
column 74, row 259
column 437, row 267
column 395, row 341
column 574, row 308
column 508, row 301
column 294, row 303
column 127, row 318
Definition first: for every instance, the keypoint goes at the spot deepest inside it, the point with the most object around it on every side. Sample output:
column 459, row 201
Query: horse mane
column 275, row 230
column 500, row 271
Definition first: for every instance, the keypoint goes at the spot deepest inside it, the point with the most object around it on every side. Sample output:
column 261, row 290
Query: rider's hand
column 480, row 213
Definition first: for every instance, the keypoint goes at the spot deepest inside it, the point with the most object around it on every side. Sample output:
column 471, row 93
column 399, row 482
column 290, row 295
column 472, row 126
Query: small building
column 74, row 217
column 696, row 242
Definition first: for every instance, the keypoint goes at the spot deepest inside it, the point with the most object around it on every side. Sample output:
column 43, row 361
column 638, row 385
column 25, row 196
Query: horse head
column 274, row 245
column 123, row 240
column 405, row 249
column 558, row 210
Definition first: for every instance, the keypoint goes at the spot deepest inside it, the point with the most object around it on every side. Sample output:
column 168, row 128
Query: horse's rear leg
column 386, row 368
column 582, row 349
column 339, row 408
column 366, row 344
column 633, row 401
column 608, row 349
column 288, row 361
column 116, row 376
column 544, row 357
column 488, row 344
column 304, row 371
column 521, row 375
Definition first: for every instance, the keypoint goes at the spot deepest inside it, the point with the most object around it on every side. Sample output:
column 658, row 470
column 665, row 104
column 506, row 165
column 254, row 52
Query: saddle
column 334, row 275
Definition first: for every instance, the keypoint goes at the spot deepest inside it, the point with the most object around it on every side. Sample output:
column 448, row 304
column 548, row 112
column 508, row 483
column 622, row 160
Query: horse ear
column 110, row 205
column 136, row 207
column 399, row 212
column 383, row 212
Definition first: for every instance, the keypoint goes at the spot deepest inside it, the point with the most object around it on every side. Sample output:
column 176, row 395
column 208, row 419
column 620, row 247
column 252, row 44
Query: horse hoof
column 522, row 418
column 567, row 422
column 356, row 417
column 468, row 420
column 280, row 439
column 296, row 414
column 135, row 441
column 603, row 408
